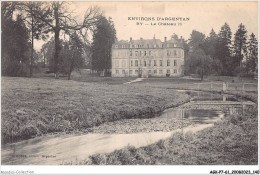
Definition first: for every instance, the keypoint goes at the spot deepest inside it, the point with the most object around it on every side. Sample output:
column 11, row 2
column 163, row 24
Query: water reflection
column 197, row 116
column 53, row 150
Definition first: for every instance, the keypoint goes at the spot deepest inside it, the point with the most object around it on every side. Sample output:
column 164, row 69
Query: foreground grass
column 36, row 106
column 232, row 141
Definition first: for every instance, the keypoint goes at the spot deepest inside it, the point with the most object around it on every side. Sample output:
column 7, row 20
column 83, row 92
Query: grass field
column 36, row 106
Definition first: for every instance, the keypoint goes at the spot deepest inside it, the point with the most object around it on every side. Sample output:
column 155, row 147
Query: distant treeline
column 218, row 54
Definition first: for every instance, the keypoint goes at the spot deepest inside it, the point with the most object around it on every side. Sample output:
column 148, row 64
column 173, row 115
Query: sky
column 202, row 16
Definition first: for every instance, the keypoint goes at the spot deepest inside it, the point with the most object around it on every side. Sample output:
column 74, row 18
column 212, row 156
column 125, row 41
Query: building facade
column 148, row 58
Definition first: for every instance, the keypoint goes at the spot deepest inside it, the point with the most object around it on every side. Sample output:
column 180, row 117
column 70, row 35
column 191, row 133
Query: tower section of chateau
column 148, row 58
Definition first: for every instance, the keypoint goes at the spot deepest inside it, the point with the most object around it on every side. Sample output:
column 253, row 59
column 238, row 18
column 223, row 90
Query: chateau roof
column 149, row 43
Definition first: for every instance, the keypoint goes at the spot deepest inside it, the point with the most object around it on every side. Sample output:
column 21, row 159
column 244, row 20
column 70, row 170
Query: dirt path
column 134, row 81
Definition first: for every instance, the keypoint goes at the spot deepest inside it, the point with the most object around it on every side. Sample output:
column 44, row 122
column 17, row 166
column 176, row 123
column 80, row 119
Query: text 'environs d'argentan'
column 158, row 18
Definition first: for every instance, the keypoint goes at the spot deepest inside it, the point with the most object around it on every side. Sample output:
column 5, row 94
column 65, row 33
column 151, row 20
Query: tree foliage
column 199, row 60
column 252, row 56
column 103, row 38
column 38, row 30
column 14, row 40
column 240, row 46
column 223, row 50
column 62, row 20
column 72, row 55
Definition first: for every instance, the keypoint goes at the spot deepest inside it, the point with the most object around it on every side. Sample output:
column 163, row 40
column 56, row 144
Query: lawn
column 250, row 85
column 36, row 106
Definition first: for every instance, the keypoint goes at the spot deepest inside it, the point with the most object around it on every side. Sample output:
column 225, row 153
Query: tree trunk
column 70, row 69
column 57, row 43
column 201, row 75
column 69, row 75
column 44, row 59
column 31, row 61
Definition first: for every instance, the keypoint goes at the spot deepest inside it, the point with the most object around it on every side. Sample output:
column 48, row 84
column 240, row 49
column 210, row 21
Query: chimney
column 130, row 39
column 165, row 39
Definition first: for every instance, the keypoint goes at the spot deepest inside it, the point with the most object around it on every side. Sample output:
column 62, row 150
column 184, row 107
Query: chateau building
column 148, row 58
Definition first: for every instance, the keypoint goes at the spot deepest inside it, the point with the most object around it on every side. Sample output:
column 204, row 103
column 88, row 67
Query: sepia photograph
column 129, row 83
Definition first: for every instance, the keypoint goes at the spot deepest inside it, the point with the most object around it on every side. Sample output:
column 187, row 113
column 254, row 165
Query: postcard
column 129, row 83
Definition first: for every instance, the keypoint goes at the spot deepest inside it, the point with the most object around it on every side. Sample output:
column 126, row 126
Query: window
column 117, row 63
column 144, row 53
column 149, row 72
column 175, row 63
column 132, row 64
column 168, row 62
column 116, row 46
column 168, row 53
column 131, row 53
column 136, row 53
column 155, row 71
column 168, row 45
column 136, row 71
column 130, row 72
column 123, row 72
column 123, row 63
column 123, row 46
column 150, row 53
column 117, row 71
column 136, row 62
column 174, row 53
column 149, row 64
column 131, row 45
column 174, row 45
column 168, row 71
column 160, row 71
column 154, row 46
column 154, row 63
column 144, row 63
column 175, row 71
column 160, row 62
column 140, row 53
column 179, row 53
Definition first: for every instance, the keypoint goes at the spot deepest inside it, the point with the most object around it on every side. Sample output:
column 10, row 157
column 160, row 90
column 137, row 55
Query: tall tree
column 197, row 60
column 62, row 19
column 103, row 38
column 38, row 30
column 197, row 40
column 240, row 46
column 210, row 49
column 252, row 56
column 223, row 50
column 72, row 55
column 14, row 41
column 48, row 52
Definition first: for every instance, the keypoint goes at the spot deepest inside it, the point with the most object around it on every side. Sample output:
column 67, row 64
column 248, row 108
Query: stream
column 64, row 148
